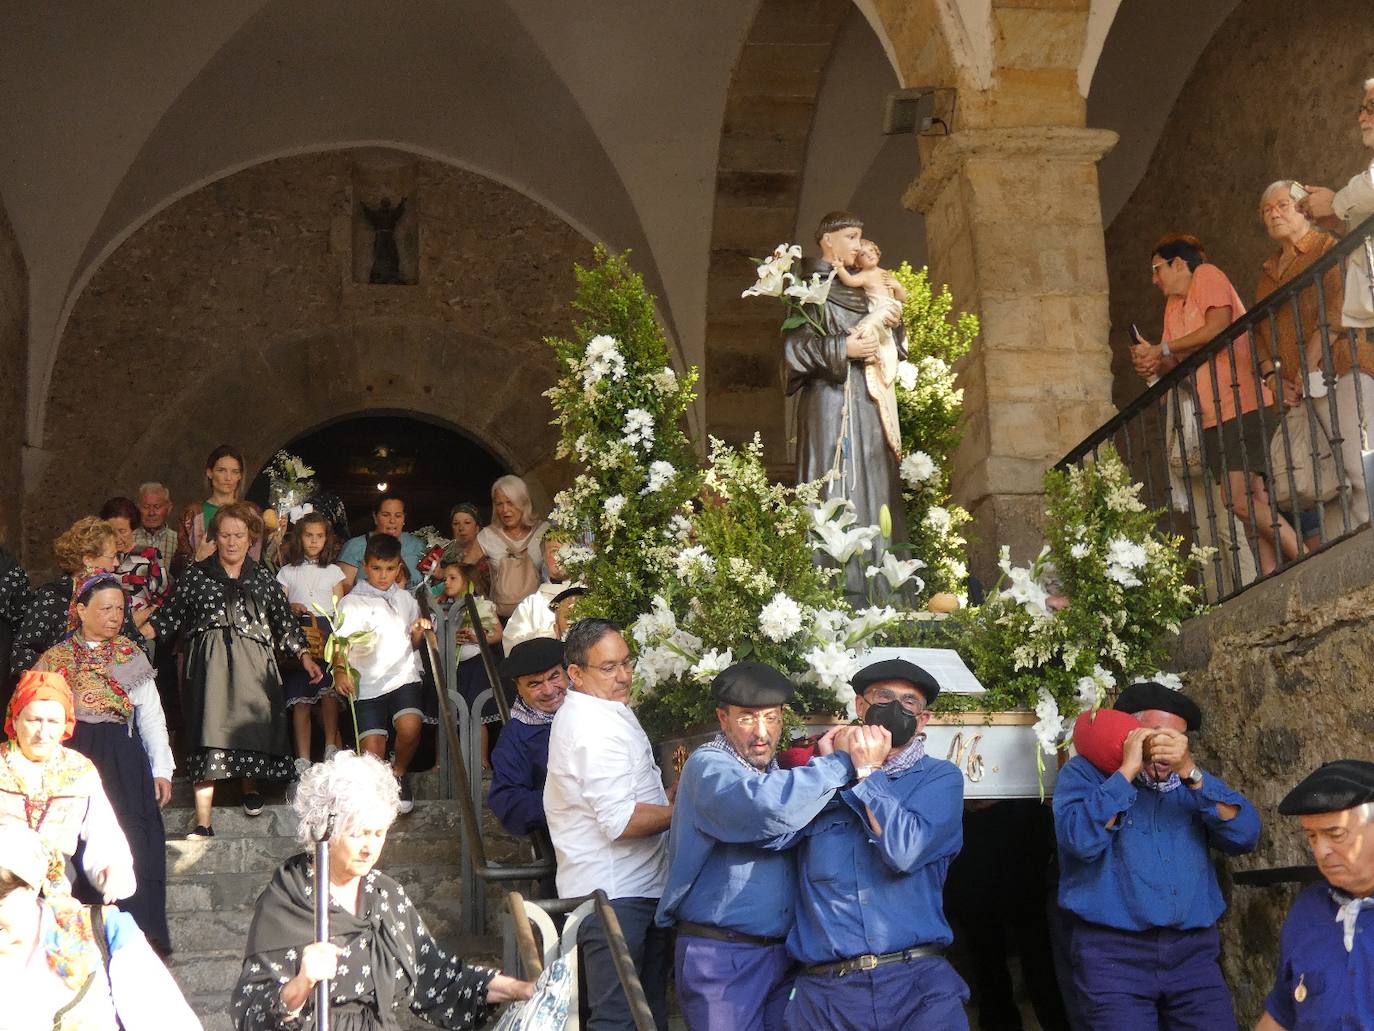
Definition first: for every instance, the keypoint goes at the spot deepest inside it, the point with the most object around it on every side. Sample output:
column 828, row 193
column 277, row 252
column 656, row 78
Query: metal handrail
column 1257, row 315
column 477, row 852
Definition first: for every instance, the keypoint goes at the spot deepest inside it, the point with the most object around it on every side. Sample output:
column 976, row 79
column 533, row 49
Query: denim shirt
column 1338, row 986
column 1152, row 868
column 861, row 892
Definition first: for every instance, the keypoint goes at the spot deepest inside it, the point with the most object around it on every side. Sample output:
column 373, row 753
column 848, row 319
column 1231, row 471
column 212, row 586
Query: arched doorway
column 430, row 466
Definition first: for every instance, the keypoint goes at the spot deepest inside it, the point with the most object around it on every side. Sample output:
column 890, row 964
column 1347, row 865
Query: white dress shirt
column 1353, row 205
column 389, row 661
column 600, row 765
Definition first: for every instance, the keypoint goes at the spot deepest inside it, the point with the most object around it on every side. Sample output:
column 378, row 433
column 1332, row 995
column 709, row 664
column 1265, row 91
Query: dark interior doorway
column 428, row 465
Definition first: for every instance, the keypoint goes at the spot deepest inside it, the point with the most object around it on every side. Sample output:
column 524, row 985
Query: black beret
column 534, row 655
column 751, row 685
column 571, row 591
column 897, row 669
column 1150, row 695
column 1331, row 787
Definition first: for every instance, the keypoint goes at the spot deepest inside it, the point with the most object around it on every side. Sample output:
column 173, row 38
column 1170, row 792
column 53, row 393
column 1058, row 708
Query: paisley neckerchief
column 529, row 715
column 1144, row 780
column 98, row 673
column 720, row 743
column 906, row 758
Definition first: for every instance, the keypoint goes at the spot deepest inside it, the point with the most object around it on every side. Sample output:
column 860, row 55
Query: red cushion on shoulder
column 1098, row 737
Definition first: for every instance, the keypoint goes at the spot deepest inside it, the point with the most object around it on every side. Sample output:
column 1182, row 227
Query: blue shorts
column 378, row 715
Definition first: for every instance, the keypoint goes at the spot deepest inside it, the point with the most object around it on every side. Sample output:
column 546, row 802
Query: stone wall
column 14, row 292
column 1272, row 97
column 233, row 315
column 1285, row 675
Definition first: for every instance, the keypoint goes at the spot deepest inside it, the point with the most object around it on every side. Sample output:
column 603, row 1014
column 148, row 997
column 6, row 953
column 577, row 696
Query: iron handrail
column 477, row 852
column 1253, row 318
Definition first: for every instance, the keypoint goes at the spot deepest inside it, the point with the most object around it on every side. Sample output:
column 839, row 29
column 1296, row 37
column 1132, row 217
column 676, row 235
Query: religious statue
column 840, row 432
column 386, row 256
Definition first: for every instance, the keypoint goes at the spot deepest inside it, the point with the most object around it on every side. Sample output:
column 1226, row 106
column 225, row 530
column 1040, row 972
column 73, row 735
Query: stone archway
column 233, row 316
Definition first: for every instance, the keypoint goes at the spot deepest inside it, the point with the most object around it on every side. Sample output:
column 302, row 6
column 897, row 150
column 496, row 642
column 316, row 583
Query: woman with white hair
column 513, row 544
column 379, row 952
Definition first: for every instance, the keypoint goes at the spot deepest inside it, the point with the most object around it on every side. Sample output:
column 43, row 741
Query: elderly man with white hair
column 1325, row 978
column 380, row 952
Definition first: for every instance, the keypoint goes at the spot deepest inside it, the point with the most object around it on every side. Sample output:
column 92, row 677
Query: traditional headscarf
column 82, row 584
column 40, row 686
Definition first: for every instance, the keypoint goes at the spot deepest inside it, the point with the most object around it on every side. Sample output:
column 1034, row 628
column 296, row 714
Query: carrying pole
column 322, row 918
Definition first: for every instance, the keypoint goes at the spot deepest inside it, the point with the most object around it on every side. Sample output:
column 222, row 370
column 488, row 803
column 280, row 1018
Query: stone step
column 207, row 890
column 277, row 820
column 263, row 855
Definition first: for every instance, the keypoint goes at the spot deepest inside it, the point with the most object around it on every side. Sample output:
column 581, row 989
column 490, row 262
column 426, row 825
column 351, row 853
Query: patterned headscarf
column 82, row 584
column 40, row 686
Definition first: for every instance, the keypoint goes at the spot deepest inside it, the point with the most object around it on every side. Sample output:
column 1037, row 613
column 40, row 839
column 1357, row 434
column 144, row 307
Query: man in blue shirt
column 730, row 899
column 1137, row 877
column 388, row 516
column 1325, row 979
column 520, row 760
column 871, row 930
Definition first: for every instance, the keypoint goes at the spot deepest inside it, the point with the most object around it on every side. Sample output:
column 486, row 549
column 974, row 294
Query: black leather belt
column 850, row 966
column 721, row 934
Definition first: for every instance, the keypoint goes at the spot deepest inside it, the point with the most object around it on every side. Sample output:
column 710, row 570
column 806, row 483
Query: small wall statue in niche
column 394, row 240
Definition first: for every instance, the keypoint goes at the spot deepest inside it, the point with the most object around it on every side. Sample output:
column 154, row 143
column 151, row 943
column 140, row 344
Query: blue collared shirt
column 519, row 766
column 1152, row 868
column 860, row 892
column 412, row 551
column 718, row 872
column 1338, row 986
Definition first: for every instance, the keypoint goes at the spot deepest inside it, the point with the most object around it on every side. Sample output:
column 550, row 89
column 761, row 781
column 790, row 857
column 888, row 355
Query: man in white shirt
column 607, row 814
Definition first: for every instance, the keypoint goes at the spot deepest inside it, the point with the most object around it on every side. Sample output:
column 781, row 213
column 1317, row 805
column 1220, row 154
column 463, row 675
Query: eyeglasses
column 771, row 720
column 1154, row 269
column 610, row 669
column 1367, row 108
column 913, row 704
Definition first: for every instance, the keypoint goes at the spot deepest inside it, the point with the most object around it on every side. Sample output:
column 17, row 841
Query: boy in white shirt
column 389, row 690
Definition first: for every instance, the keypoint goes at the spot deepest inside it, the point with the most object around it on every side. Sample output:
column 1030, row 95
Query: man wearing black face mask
column 871, row 930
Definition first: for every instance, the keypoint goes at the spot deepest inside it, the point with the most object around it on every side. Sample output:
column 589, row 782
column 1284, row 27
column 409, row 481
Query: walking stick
column 322, row 918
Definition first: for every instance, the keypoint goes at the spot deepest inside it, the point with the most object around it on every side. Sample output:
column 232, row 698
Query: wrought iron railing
column 1312, row 488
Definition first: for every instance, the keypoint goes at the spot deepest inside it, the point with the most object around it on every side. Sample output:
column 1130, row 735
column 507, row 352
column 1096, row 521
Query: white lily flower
column 813, row 291
column 841, row 544
column 710, row 665
column 896, row 571
column 838, row 511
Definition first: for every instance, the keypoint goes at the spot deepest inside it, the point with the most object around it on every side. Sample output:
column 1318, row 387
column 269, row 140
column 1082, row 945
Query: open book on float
column 995, row 751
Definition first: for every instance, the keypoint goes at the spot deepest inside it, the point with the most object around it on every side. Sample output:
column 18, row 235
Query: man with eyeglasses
column 871, row 931
column 730, row 895
column 607, row 814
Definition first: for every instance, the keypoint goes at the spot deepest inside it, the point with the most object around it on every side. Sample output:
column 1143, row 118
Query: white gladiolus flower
column 654, row 625
column 896, row 571
column 906, row 375
column 780, row 619
column 710, row 665
column 1051, row 724
column 1023, row 587
column 814, row 291
column 1094, row 687
column 917, row 468
column 660, row 475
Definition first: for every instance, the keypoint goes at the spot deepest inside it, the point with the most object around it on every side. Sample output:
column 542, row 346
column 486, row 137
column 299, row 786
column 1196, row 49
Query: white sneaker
column 407, row 805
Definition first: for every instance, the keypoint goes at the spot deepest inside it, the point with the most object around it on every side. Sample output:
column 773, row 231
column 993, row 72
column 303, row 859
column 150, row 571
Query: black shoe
column 200, row 831
column 252, row 804
column 407, row 797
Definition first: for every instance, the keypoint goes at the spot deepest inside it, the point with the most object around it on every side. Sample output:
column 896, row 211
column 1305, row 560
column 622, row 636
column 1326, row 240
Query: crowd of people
column 1266, row 444
column 803, row 890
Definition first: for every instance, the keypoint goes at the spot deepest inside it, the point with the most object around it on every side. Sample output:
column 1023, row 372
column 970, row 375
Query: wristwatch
column 1193, row 779
column 860, row 772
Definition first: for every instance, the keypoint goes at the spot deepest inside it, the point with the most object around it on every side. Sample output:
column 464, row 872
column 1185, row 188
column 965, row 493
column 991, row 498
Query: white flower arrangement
column 918, row 468
column 603, row 359
column 781, row 619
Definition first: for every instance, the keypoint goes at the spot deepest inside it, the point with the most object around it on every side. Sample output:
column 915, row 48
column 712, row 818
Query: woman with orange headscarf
column 57, row 792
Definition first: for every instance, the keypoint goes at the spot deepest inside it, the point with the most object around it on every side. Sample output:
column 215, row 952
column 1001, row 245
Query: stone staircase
column 213, row 885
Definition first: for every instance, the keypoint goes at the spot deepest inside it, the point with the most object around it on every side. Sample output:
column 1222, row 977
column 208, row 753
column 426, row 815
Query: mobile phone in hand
column 1296, row 191
column 1135, row 335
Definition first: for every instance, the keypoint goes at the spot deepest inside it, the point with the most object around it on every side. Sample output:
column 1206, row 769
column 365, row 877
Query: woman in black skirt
column 234, row 614
column 121, row 728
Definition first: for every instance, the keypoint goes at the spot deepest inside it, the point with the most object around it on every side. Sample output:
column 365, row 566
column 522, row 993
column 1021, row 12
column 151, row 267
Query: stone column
column 1014, row 226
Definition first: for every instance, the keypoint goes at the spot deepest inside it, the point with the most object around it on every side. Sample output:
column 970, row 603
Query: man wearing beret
column 1137, row 878
column 730, row 898
column 520, row 760
column 1326, row 952
column 871, row 931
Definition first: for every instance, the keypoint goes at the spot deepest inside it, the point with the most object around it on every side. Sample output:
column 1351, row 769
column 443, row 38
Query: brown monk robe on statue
column 839, row 426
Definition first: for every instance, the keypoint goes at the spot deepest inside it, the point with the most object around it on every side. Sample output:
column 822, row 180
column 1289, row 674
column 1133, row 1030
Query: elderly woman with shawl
column 71, row 967
column 121, row 728
column 57, row 792
column 379, row 951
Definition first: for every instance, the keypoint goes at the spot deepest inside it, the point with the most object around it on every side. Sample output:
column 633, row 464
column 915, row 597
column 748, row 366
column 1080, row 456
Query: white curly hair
column 350, row 787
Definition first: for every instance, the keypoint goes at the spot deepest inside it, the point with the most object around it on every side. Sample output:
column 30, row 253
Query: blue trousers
column 607, row 1007
column 731, row 984
column 1156, row 980
column 922, row 995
